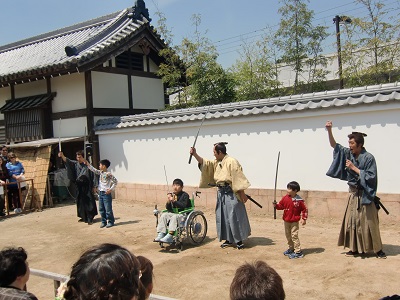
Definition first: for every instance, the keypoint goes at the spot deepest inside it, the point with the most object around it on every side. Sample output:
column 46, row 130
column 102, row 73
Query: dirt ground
column 54, row 240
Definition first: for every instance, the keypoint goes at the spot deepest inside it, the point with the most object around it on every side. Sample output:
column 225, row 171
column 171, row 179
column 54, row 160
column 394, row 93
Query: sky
column 227, row 23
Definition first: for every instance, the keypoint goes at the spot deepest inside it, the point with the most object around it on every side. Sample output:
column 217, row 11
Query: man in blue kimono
column 360, row 228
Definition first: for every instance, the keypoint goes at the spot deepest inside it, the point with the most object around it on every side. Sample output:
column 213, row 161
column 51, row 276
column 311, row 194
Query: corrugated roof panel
column 26, row 102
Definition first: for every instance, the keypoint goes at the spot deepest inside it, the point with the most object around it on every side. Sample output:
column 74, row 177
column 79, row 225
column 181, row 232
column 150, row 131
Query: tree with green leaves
column 371, row 49
column 300, row 42
column 255, row 73
column 172, row 70
column 191, row 70
column 208, row 82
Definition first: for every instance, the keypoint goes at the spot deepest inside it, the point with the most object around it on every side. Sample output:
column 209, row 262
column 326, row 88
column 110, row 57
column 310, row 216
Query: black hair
column 358, row 138
column 81, row 153
column 105, row 162
column 107, row 271
column 178, row 181
column 12, row 265
column 294, row 186
column 220, row 147
column 146, row 267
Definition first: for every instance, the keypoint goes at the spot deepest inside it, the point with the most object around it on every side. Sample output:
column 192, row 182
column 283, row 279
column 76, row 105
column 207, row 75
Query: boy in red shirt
column 293, row 207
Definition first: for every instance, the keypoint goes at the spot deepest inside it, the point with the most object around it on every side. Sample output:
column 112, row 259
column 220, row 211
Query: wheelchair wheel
column 197, row 227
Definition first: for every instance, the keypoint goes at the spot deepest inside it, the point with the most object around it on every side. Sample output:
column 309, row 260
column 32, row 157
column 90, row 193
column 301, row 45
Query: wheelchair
column 192, row 226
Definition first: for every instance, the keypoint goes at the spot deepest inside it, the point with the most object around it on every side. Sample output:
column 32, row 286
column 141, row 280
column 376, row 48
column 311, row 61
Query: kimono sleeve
column 338, row 166
column 239, row 180
column 207, row 173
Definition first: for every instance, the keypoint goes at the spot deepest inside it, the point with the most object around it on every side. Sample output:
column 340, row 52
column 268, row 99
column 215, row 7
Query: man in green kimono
column 360, row 227
column 226, row 173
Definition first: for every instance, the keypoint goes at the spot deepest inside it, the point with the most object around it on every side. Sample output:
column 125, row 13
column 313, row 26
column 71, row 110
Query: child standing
column 107, row 183
column 293, row 206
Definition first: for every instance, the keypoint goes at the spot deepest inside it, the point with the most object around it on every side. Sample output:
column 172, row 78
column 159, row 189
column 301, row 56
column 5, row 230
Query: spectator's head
column 104, row 162
column 256, row 281
column 14, row 269
column 4, row 151
column 107, row 271
column 146, row 267
column 12, row 157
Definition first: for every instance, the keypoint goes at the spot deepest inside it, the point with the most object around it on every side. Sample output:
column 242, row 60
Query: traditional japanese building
column 55, row 86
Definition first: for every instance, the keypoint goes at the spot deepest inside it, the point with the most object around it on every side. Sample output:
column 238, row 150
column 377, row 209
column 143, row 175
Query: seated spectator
column 146, row 267
column 14, row 274
column 107, row 271
column 256, row 281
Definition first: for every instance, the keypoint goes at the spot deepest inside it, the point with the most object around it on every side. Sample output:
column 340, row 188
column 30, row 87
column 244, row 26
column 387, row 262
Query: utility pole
column 337, row 20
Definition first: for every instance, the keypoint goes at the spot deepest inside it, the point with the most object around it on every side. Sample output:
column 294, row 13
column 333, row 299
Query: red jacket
column 292, row 208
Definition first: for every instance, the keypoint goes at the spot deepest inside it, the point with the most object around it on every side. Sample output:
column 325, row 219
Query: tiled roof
column 27, row 102
column 320, row 100
column 85, row 42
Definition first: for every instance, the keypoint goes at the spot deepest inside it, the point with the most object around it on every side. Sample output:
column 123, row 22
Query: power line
column 236, row 48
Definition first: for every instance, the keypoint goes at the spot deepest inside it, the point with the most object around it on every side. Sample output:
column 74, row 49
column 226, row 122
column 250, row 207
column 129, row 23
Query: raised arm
column 61, row 154
column 328, row 127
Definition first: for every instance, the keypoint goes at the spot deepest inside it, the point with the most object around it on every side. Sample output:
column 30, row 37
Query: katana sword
column 377, row 200
column 276, row 181
column 254, row 201
column 248, row 196
column 197, row 135
column 166, row 178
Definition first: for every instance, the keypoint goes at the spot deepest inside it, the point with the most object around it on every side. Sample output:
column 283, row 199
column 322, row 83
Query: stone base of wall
column 321, row 204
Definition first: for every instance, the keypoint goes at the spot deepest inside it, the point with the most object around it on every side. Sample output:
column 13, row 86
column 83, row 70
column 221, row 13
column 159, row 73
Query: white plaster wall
column 139, row 155
column 147, row 93
column 70, row 92
column 287, row 74
column 153, row 66
column 136, row 49
column 30, row 88
column 110, row 90
column 70, row 127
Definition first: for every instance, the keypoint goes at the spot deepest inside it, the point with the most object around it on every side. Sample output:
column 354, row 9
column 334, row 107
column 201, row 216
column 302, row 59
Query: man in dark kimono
column 226, row 173
column 360, row 228
column 79, row 173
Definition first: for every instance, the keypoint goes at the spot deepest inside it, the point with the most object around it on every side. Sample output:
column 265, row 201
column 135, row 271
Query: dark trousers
column 13, row 199
column 2, row 203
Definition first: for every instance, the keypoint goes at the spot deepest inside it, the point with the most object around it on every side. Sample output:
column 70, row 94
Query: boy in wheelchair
column 177, row 201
